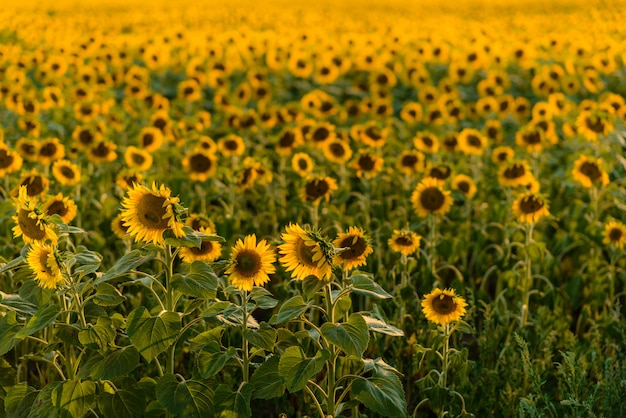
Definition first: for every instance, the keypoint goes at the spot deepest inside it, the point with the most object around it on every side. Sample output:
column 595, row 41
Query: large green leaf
column 233, row 404
column 18, row 302
column 118, row 363
column 19, row 400
column 266, row 380
column 212, row 359
column 8, row 329
column 152, row 335
column 42, row 405
column 127, row 401
column 200, row 281
column 363, row 285
column 311, row 285
column 383, row 395
column 74, row 398
column 263, row 298
column 127, row 263
column 107, row 295
column 378, row 325
column 98, row 336
column 264, row 337
column 185, row 399
column 8, row 375
column 295, row 368
column 351, row 336
column 291, row 309
column 42, row 319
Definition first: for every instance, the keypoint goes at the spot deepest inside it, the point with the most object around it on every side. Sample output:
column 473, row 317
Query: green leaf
column 311, row 285
column 73, row 398
column 8, row 329
column 212, row 359
column 108, row 295
column 98, row 336
column 536, row 251
column 383, row 395
column 378, row 325
column 128, row 401
column 42, row 319
column 378, row 367
column 185, row 399
column 19, row 400
column 127, row 263
column 352, row 336
column 266, row 380
column 15, row 263
column 152, row 335
column 42, row 405
column 295, row 368
column 263, row 298
column 235, row 404
column 291, row 309
column 206, row 337
column 30, row 291
column 363, row 285
column 17, row 302
column 264, row 337
column 8, row 375
column 199, row 282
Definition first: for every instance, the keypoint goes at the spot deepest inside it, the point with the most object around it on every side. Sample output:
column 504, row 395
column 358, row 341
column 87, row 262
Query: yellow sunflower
column 429, row 197
column 31, row 224
column 119, row 229
column 515, row 174
column 502, row 154
column 43, row 261
column 317, row 189
column 148, row 213
column 62, row 206
column 251, row 263
column 472, row 142
column 465, row 184
column 367, row 165
column 353, row 248
column 137, row 158
column 10, row 161
column 411, row 162
column 303, row 255
column 302, row 164
column 102, row 152
column 66, row 172
column 443, row 306
column 588, row 171
column 614, row 234
column 50, row 149
column 337, row 151
column 151, row 138
column 209, row 251
column 404, row 242
column 530, row 207
column 426, row 142
column 288, row 140
column 231, row 145
column 36, row 184
column 200, row 165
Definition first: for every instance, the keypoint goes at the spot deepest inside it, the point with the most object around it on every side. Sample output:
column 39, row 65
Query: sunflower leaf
column 291, row 309
column 351, row 336
column 118, row 363
column 200, row 281
column 185, row 399
column 267, row 381
column 264, row 337
column 363, row 285
column 236, row 403
column 43, row 318
column 98, row 336
column 190, row 239
column 378, row 325
column 295, row 368
column 74, row 398
column 381, row 394
column 212, row 359
column 108, row 295
column 152, row 335
column 127, row 401
column 127, row 263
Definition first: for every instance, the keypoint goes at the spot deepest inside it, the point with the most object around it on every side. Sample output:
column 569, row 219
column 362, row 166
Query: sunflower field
column 329, row 209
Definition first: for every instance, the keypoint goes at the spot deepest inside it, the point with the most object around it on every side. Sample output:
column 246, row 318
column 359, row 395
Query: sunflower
column 148, row 213
column 367, row 165
column 62, row 206
column 353, row 248
column 317, row 188
column 614, row 234
column 127, row 178
column 66, row 172
column 251, row 263
column 428, row 198
column 472, row 142
column 27, row 148
column 426, row 142
column 119, row 229
column 50, row 149
column 10, row 161
column 35, row 183
column 197, row 221
column 209, row 251
column 320, row 134
column 410, row 162
column 412, row 112
column 288, row 140
column 530, row 207
column 404, row 242
column 42, row 260
column 515, row 173
column 30, row 223
column 231, row 145
column 373, row 136
column 465, row 184
column 304, row 255
column 443, row 306
column 302, row 164
column 151, row 138
column 200, row 165
column 189, row 90
column 593, row 124
column 137, row 158
column 502, row 154
column 441, row 172
column 338, row 151
column 588, row 171
column 102, row 152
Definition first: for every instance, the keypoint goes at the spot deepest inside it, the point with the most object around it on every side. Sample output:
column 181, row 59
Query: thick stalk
column 528, row 278
column 245, row 348
column 443, row 377
column 332, row 363
column 432, row 245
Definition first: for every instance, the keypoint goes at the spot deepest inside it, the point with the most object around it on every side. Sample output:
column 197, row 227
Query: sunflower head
column 251, row 263
column 614, row 235
column 305, row 253
column 208, row 251
column 352, row 248
column 31, row 223
column 62, row 206
column 150, row 212
column 443, row 306
column 430, row 198
column 404, row 242
column 530, row 207
column 317, row 189
column 43, row 261
column 588, row 172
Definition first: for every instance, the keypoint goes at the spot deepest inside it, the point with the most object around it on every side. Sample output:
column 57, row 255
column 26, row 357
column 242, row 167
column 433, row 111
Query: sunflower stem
column 245, row 363
column 443, row 377
column 169, row 303
column 528, row 278
column 432, row 246
column 332, row 362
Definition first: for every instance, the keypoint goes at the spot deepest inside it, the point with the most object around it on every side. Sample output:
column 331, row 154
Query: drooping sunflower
column 200, row 165
column 66, row 172
column 367, row 165
column 443, row 306
column 465, row 184
column 411, row 162
column 209, row 251
column 251, row 263
column 303, row 255
column 530, row 207
column 353, row 248
column 588, row 172
column 429, row 197
column 614, row 234
column 62, row 206
column 149, row 212
column 137, row 158
column 515, row 173
column 404, row 242
column 30, row 223
column 10, row 161
column 43, row 261
column 317, row 189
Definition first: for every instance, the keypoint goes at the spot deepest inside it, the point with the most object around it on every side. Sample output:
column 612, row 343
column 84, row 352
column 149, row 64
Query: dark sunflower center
column 67, row 172
column 100, row 150
column 159, row 123
column 29, row 226
column 6, row 159
column 150, row 212
column 28, row 149
column 474, row 141
column 403, row 241
column 463, row 187
column 43, row 262
column 316, row 188
column 543, row 125
column 34, row 185
column 287, row 139
column 231, row 145
column 200, row 163
column 450, row 142
column 444, row 305
column 382, row 79
column 355, row 249
column 531, row 204
column 502, row 157
column 428, row 141
column 248, row 263
column 147, row 139
column 303, row 164
column 326, row 106
column 48, row 149
column 320, row 134
column 188, row 91
column 205, row 248
column 409, row 160
column 366, row 162
column 591, row 170
column 85, row 137
column 440, row 173
column 373, row 133
column 615, row 234
column 337, row 149
column 432, row 199
column 595, row 124
column 305, row 253
column 514, row 171
column 138, row 159
column 246, row 176
column 532, row 138
column 57, row 208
